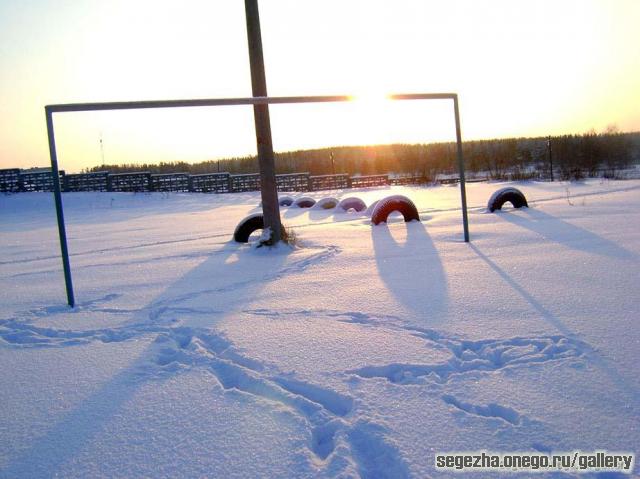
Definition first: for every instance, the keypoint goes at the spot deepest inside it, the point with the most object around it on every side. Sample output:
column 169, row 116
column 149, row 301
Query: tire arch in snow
column 282, row 201
column 504, row 195
column 390, row 204
column 305, row 202
column 326, row 203
column 285, row 201
column 247, row 226
column 371, row 208
column 352, row 202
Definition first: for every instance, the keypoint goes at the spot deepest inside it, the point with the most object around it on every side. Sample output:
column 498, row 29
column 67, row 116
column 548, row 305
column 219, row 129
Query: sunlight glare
column 370, row 97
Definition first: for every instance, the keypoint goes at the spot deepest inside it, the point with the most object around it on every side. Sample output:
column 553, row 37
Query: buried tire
column 504, row 195
column 326, row 204
column 390, row 204
column 369, row 211
column 248, row 226
column 285, row 201
column 282, row 201
column 354, row 203
column 305, row 202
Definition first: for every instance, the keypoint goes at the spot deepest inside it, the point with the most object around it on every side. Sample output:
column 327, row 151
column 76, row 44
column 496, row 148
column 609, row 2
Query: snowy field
column 360, row 353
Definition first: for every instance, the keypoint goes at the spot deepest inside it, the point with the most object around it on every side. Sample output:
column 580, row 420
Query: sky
column 520, row 67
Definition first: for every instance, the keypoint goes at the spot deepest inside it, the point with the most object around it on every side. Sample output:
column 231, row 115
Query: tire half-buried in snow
column 326, row 204
column 370, row 209
column 504, row 195
column 305, row 202
column 285, row 201
column 354, row 203
column 390, row 204
column 247, row 226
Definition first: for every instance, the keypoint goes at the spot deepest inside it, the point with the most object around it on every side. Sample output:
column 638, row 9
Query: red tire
column 390, row 204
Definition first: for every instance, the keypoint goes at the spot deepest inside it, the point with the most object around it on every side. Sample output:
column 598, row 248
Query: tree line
column 568, row 156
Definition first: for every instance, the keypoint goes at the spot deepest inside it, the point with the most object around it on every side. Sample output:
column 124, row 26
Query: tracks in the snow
column 341, row 437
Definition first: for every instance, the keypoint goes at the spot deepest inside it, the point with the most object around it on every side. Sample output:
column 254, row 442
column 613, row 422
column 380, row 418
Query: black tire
column 285, row 201
column 504, row 195
column 247, row 226
column 305, row 202
column 390, row 204
column 352, row 202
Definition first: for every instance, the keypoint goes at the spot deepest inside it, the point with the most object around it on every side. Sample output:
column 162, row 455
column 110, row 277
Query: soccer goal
column 137, row 105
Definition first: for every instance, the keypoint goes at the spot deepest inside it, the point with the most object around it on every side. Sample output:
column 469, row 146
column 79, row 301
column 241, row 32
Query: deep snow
column 364, row 351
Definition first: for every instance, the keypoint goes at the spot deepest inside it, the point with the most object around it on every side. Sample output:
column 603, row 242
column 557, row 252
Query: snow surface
column 362, row 352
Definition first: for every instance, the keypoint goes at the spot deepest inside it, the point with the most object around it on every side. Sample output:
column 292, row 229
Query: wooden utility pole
column 550, row 156
column 268, row 187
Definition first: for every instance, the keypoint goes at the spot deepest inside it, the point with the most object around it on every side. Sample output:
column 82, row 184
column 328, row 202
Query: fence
column 130, row 182
column 210, row 183
column 97, row 181
column 37, row 180
column 15, row 180
column 293, row 182
column 416, row 179
column 368, row 181
column 249, row 182
column 10, row 180
column 328, row 182
column 170, row 182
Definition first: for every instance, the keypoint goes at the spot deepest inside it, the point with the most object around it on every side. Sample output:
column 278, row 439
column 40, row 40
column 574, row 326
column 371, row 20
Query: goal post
column 138, row 105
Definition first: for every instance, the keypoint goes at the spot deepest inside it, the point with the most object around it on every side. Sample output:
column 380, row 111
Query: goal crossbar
column 205, row 102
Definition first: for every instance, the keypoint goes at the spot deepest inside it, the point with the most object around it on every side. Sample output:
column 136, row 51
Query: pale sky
column 521, row 68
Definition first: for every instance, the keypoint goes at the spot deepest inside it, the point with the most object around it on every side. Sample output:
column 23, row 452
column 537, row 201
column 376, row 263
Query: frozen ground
column 360, row 353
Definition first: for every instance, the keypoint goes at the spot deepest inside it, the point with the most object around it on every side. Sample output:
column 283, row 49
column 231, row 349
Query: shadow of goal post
column 140, row 105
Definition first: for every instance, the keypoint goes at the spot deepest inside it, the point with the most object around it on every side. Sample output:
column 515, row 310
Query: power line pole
column 101, row 149
column 268, row 187
column 550, row 156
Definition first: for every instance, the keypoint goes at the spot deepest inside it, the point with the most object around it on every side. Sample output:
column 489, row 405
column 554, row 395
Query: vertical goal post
column 139, row 105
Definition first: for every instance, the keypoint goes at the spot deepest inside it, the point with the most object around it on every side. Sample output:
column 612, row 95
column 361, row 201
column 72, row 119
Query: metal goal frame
column 138, row 105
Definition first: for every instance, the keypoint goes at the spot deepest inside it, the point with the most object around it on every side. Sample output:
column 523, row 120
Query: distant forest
column 572, row 157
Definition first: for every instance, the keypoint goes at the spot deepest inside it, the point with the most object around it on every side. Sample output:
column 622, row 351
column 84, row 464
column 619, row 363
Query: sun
column 369, row 111
column 370, row 97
